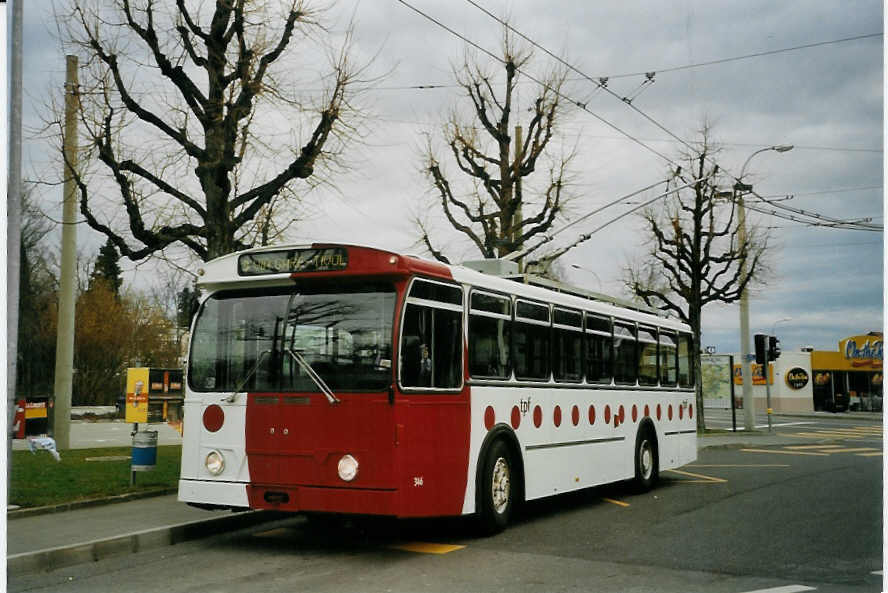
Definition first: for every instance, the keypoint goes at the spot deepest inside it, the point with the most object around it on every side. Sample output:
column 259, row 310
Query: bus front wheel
column 497, row 489
column 647, row 463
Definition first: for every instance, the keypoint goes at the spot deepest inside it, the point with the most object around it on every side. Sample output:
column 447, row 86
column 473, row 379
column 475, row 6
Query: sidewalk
column 47, row 542
column 50, row 541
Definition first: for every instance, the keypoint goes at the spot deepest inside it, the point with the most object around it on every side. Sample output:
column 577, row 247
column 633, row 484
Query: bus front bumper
column 216, row 494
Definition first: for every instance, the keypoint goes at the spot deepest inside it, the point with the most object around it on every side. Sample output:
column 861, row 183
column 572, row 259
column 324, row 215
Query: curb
column 91, row 502
column 53, row 558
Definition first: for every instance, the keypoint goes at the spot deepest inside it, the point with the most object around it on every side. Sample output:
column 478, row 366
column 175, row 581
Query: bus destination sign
column 289, row 261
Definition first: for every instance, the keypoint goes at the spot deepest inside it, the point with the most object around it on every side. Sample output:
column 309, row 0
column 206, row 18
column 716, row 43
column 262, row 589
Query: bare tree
column 695, row 253
column 498, row 208
column 196, row 124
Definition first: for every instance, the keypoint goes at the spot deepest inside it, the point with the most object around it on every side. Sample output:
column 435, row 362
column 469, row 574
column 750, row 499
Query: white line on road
column 786, row 589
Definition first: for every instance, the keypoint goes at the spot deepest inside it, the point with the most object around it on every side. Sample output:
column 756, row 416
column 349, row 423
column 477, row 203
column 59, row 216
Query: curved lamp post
column 740, row 189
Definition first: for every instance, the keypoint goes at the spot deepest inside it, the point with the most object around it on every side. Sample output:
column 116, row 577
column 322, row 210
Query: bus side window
column 685, row 373
column 431, row 337
column 530, row 338
column 668, row 359
column 625, row 353
column 647, row 356
column 599, row 349
column 489, row 329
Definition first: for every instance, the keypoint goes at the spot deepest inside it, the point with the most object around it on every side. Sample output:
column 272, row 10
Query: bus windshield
column 242, row 339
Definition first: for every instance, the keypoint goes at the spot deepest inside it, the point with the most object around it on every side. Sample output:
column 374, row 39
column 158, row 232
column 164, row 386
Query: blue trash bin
column 144, row 451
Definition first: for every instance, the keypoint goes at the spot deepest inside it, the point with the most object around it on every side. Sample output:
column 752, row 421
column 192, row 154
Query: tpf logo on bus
column 524, row 405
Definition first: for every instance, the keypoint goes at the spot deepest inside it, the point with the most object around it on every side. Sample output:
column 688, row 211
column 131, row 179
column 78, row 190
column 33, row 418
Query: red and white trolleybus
column 347, row 379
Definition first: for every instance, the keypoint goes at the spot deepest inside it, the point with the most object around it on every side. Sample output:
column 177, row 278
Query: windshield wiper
column 230, row 398
column 325, row 389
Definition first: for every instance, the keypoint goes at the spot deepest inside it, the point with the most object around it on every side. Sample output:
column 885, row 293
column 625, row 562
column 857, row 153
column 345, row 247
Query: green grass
column 38, row 479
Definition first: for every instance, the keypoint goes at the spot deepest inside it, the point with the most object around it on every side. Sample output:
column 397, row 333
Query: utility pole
column 64, row 370
column 739, row 189
column 14, row 227
column 517, row 228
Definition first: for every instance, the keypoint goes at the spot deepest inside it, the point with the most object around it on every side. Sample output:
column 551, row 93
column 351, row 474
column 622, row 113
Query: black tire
column 647, row 459
column 497, row 489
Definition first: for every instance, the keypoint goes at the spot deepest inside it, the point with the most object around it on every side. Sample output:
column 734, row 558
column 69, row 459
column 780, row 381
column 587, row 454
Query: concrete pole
column 517, row 228
column 14, row 227
column 64, row 371
column 740, row 188
column 746, row 372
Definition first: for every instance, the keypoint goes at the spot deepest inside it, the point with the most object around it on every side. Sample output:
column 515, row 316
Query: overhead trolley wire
column 599, row 84
column 825, row 221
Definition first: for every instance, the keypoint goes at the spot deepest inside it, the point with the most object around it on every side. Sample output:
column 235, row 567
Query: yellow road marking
column 854, row 450
column 703, row 479
column 616, row 502
column 800, row 447
column 427, row 548
column 272, row 532
column 785, row 452
column 878, row 454
column 824, row 435
column 744, row 465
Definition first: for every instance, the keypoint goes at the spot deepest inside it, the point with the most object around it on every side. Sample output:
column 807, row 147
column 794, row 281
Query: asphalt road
column 740, row 519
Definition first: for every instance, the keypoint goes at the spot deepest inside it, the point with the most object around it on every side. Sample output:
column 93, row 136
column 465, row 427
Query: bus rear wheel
column 647, row 463
column 497, row 489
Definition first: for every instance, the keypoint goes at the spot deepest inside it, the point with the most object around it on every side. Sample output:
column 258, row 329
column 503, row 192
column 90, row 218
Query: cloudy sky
column 826, row 100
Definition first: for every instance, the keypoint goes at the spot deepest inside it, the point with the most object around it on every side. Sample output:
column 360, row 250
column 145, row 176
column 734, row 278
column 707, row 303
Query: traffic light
column 761, row 355
column 773, row 348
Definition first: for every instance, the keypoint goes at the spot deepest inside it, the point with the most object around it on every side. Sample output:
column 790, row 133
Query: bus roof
column 279, row 265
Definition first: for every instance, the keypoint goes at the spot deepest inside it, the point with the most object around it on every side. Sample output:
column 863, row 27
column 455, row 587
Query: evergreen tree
column 107, row 268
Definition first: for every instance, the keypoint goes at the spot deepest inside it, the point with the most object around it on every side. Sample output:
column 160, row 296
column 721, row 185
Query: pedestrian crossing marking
column 427, row 548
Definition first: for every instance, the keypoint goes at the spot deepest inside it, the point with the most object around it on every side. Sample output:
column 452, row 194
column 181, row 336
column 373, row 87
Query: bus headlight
column 215, row 463
column 348, row 468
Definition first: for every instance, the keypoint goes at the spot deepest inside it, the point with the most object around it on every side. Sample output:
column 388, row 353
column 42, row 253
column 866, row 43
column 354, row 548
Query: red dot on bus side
column 670, row 412
column 659, row 411
column 556, row 416
column 591, row 414
column 537, row 416
column 622, row 415
column 575, row 415
column 680, row 412
column 516, row 417
column 489, row 417
column 607, row 414
column 634, row 413
column 213, row 418
column 691, row 411
column 647, row 410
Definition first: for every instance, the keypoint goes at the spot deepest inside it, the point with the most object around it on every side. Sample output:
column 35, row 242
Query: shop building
column 790, row 381
column 851, row 377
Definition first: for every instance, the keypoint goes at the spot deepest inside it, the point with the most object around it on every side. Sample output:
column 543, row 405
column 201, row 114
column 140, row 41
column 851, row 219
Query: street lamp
column 741, row 188
column 781, row 320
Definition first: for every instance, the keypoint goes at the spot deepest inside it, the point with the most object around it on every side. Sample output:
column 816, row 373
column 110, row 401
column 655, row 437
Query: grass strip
column 39, row 480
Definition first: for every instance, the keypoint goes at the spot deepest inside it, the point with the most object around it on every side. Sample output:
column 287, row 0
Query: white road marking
column 786, row 589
